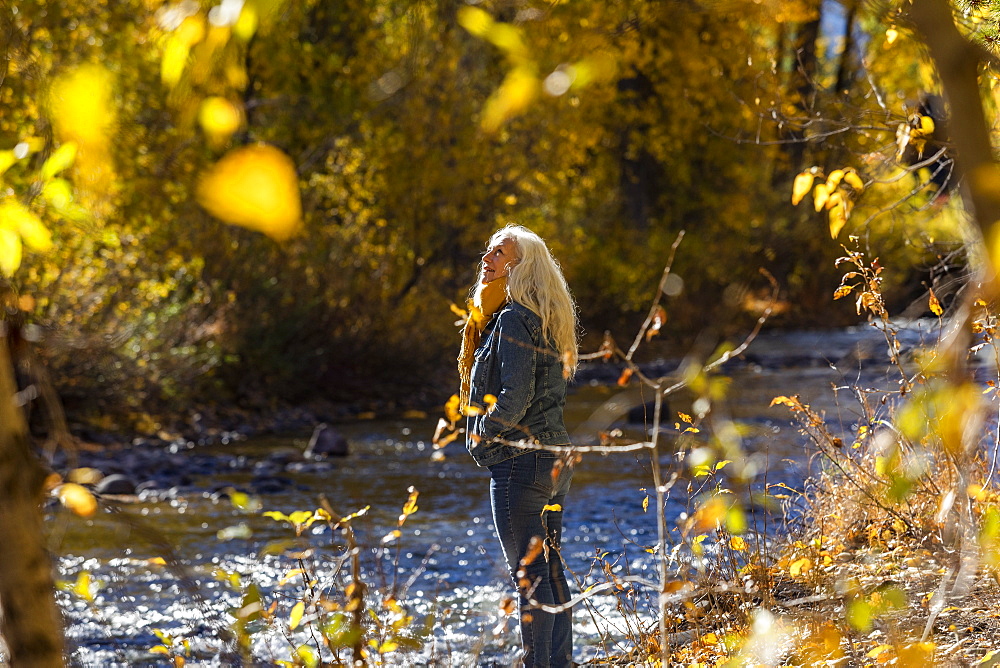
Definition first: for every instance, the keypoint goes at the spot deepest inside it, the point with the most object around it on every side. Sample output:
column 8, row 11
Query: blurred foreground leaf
column 255, row 187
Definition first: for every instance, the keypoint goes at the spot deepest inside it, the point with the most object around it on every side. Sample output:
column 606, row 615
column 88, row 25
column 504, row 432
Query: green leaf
column 859, row 615
column 736, row 520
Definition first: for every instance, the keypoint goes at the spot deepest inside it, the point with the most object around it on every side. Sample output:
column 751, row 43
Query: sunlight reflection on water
column 448, row 555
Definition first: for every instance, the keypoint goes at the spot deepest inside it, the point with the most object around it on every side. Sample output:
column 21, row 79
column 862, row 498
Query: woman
column 519, row 348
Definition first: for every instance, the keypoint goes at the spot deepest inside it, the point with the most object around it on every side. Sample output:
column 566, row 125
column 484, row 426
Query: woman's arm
column 516, row 353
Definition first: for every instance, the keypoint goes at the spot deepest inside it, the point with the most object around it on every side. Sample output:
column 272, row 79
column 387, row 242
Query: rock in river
column 326, row 442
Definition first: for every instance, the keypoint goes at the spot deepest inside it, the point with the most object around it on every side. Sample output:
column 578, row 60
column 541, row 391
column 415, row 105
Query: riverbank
column 857, row 588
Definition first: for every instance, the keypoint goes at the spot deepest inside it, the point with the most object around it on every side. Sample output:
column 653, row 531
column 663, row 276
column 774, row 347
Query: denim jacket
column 525, row 375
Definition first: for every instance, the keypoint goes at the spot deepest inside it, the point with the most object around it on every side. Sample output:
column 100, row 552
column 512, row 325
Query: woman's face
column 498, row 260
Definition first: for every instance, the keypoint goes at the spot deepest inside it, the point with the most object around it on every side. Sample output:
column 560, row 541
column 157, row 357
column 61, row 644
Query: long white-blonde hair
column 536, row 282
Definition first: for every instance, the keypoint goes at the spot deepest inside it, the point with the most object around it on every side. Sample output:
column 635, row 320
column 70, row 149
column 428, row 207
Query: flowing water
column 446, row 562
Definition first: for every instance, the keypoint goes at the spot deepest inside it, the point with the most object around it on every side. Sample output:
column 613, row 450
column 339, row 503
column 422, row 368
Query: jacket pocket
column 480, row 375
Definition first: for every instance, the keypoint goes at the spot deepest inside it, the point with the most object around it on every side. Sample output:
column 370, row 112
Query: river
column 449, row 564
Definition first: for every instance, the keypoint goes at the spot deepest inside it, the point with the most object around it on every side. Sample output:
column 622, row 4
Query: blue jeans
column 519, row 489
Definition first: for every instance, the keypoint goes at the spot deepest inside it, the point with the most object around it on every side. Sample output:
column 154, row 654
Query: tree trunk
column 958, row 62
column 30, row 622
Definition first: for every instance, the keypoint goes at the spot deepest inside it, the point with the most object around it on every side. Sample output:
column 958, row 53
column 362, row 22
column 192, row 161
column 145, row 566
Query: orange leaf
column 624, row 378
column 659, row 317
column 452, row 409
column 935, row 305
column 77, row 498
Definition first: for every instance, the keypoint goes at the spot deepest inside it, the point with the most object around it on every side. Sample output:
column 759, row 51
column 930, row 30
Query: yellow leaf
column 935, row 305
column 837, row 217
column 219, row 118
column 16, row 216
column 297, row 610
column 872, row 653
column 411, row 506
column 890, row 36
column 820, row 194
column 307, row 656
column 58, row 193
column 916, row 655
column 255, row 187
column 246, row 24
column 175, row 55
column 290, row 575
column 518, row 90
column 645, row 503
column 801, row 185
column 791, row 402
column 82, row 105
column 61, row 158
column 477, row 21
column 842, row 291
column 159, row 649
column 800, row 566
column 300, row 517
column 7, row 158
column 246, row 502
column 76, row 498
column 926, row 126
column 852, row 179
column 10, row 251
column 833, row 180
column 82, row 587
column 554, row 507
column 490, row 400
column 191, row 30
column 737, row 543
column 508, row 38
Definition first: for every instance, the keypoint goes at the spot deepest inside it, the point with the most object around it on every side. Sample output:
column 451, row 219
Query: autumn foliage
column 377, row 144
